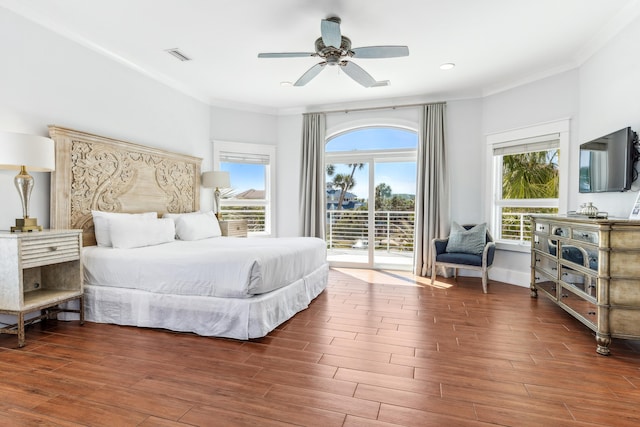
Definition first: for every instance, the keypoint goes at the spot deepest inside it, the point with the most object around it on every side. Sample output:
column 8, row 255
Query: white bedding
column 226, row 287
column 220, row 267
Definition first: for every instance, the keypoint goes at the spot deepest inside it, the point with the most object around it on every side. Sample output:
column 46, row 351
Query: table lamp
column 20, row 151
column 217, row 180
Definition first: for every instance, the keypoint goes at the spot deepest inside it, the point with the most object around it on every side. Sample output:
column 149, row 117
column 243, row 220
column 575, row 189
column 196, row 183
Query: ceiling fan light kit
column 335, row 49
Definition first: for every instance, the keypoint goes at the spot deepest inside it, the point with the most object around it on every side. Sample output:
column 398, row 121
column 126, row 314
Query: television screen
column 606, row 163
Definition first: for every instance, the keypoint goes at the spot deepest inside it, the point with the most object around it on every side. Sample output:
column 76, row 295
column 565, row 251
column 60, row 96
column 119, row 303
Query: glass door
column 370, row 188
column 394, row 213
column 348, row 222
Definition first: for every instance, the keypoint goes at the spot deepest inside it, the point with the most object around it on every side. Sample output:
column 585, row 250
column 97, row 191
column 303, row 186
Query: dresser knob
column 53, row 248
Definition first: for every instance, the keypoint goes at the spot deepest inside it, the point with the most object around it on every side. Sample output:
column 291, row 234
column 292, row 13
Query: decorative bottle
column 590, row 210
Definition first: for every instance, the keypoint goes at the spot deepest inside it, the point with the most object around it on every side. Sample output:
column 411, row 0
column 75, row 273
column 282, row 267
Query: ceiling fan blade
column 286, row 55
column 380, row 51
column 358, row 74
column 330, row 30
column 310, row 74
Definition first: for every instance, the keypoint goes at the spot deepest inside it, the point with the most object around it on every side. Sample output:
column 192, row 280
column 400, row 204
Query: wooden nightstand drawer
column 44, row 250
column 234, row 228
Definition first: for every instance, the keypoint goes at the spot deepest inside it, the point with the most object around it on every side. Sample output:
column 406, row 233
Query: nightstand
column 38, row 271
column 234, row 228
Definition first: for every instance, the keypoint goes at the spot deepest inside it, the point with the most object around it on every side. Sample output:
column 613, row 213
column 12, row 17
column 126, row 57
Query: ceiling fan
column 335, row 49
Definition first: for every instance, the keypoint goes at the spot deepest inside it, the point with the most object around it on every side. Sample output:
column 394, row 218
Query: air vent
column 177, row 54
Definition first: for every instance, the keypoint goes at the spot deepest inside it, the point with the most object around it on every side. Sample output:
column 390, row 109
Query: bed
column 230, row 287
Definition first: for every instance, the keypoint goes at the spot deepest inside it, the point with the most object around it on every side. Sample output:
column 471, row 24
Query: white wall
column 465, row 151
column 243, row 126
column 610, row 100
column 47, row 79
column 288, row 189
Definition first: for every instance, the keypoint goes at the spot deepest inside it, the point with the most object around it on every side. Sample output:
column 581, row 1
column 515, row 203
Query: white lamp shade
column 216, row 179
column 37, row 153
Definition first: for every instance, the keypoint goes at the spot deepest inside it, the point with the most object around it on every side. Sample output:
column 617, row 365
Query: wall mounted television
column 607, row 163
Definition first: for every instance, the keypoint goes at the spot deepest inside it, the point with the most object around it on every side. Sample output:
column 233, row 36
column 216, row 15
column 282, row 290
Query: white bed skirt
column 239, row 318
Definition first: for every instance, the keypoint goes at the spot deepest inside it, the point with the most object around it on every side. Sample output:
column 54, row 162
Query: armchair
column 472, row 249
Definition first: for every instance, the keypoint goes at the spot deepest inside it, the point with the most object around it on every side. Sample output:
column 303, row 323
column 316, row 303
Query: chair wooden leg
column 485, row 279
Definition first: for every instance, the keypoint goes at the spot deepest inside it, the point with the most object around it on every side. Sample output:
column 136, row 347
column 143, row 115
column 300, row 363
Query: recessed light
column 286, row 84
column 447, row 66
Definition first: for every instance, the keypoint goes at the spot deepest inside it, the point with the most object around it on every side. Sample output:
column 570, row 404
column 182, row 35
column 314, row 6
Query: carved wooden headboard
column 98, row 173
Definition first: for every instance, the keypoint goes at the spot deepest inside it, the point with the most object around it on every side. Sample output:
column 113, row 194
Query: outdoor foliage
column 530, row 175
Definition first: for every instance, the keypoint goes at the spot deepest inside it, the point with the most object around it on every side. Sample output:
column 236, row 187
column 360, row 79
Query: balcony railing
column 514, row 225
column 393, row 230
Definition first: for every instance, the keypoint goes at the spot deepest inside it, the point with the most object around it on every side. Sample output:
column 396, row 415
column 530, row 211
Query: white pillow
column 101, row 223
column 175, row 216
column 129, row 233
column 197, row 226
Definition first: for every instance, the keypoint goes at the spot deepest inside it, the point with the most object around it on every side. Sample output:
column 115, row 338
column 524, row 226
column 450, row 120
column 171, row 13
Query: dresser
column 590, row 268
column 38, row 271
column 234, row 228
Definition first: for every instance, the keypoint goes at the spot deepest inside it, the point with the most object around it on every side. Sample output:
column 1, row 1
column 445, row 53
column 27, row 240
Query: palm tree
column 346, row 182
column 530, row 175
column 383, row 192
column 331, row 169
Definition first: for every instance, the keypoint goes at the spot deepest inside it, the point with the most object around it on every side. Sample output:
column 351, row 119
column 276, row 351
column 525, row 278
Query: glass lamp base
column 26, row 224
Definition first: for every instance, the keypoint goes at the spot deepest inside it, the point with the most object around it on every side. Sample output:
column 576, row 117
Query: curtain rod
column 389, row 107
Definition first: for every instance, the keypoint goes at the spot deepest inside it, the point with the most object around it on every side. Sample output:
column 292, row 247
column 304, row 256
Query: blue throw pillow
column 471, row 241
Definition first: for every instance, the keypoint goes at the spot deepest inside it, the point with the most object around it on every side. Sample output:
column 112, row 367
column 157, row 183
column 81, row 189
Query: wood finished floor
column 375, row 349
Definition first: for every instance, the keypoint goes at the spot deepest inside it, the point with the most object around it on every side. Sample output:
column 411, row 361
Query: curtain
column 312, row 188
column 432, row 186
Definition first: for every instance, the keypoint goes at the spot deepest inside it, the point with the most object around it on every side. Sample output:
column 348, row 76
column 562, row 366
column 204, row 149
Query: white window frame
column 249, row 151
column 556, row 130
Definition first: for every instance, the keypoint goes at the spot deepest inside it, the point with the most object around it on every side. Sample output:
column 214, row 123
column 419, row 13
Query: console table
column 590, row 268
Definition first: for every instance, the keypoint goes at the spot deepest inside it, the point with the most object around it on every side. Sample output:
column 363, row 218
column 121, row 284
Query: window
column 251, row 170
column 527, row 182
column 528, row 176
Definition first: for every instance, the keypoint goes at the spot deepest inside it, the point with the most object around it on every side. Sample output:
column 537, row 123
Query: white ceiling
column 495, row 44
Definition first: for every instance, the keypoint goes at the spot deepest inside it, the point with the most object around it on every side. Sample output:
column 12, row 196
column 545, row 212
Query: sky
column 244, row 176
column 399, row 176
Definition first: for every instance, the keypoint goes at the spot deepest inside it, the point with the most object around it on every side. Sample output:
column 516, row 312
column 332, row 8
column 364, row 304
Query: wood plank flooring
column 375, row 349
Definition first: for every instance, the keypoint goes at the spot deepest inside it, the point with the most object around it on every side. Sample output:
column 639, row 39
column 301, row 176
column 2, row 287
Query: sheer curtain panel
column 312, row 189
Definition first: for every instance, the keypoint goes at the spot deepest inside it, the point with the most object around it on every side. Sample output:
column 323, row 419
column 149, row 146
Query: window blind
column 257, row 159
column 529, row 145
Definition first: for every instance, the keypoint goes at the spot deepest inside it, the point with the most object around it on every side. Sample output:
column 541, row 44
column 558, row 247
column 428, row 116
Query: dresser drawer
column 542, row 227
column 51, row 249
column 583, row 307
column 585, row 236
